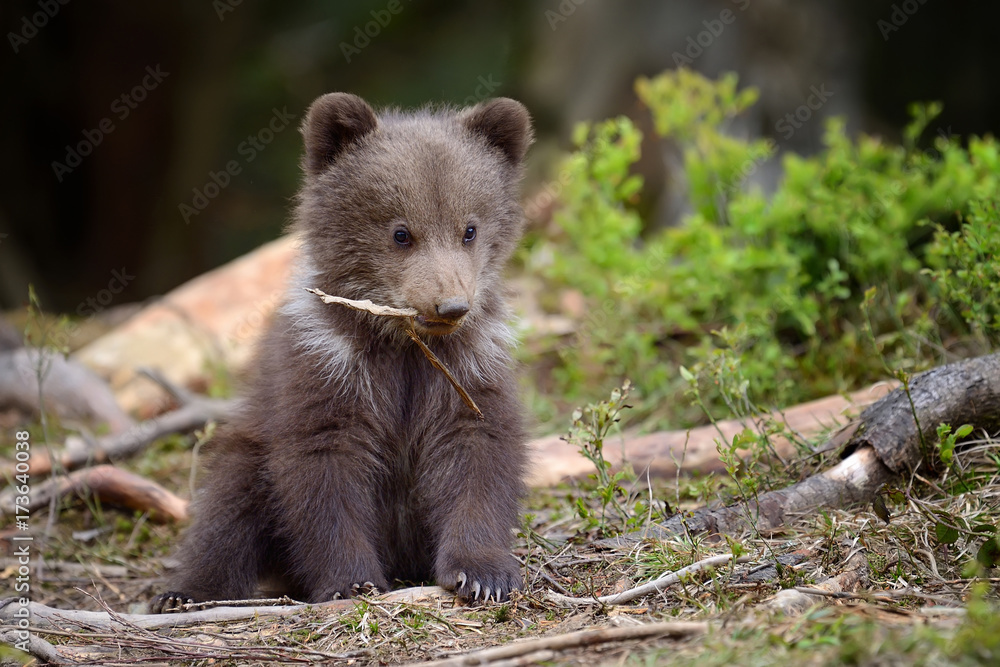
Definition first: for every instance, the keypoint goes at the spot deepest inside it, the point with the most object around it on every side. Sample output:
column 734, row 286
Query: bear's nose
column 453, row 308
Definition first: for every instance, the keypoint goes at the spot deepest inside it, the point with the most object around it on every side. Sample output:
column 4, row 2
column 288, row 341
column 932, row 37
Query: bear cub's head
column 413, row 209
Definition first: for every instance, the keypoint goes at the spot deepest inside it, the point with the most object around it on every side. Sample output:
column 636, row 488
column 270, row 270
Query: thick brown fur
column 353, row 461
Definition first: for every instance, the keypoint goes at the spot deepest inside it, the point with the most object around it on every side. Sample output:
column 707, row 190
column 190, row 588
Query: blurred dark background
column 200, row 78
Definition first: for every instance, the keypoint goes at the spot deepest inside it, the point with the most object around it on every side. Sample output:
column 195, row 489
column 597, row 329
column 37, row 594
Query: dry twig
column 408, row 313
column 654, row 586
column 673, row 629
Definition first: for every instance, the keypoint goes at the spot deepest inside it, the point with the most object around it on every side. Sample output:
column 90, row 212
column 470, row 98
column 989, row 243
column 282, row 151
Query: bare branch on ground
column 886, row 442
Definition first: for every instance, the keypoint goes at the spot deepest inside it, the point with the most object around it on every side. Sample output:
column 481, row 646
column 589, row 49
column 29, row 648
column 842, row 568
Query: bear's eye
column 402, row 237
column 470, row 234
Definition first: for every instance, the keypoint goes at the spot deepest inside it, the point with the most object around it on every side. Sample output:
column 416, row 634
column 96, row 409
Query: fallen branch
column 853, row 480
column 133, row 440
column 408, row 313
column 109, row 485
column 49, row 618
column 37, row 647
column 672, row 629
column 886, row 442
column 654, row 586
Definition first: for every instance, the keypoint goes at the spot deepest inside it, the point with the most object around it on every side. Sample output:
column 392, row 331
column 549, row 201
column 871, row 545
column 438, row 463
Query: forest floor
column 833, row 587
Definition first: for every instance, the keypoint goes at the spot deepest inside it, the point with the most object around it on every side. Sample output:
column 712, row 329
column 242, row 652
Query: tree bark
column 965, row 392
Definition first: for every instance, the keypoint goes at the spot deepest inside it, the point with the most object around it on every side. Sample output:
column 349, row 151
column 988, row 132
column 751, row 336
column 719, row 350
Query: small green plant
column 967, row 269
column 503, row 614
column 946, row 442
column 361, row 621
column 590, row 428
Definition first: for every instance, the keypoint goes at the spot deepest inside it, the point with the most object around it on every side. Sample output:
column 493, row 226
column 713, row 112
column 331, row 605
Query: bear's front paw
column 344, row 591
column 169, row 602
column 473, row 579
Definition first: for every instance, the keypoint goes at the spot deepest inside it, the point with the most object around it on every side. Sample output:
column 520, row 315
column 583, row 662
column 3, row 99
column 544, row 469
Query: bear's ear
column 334, row 122
column 504, row 123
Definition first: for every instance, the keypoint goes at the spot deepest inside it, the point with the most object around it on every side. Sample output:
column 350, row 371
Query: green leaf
column 945, row 534
column 989, row 554
column 881, row 511
column 963, row 431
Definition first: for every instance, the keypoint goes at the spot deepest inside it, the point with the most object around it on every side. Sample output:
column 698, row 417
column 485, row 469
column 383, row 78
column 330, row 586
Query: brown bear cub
column 353, row 462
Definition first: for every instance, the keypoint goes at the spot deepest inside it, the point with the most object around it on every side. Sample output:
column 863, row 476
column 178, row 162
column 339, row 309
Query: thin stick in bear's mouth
column 410, row 314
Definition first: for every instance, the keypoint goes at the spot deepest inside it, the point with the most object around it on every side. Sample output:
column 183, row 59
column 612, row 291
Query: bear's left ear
column 504, row 123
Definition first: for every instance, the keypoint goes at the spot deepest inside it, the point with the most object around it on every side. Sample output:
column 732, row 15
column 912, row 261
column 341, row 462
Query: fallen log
column 554, row 460
column 965, row 392
column 109, row 485
column 662, row 454
column 886, row 425
column 892, row 437
column 213, row 319
column 69, row 389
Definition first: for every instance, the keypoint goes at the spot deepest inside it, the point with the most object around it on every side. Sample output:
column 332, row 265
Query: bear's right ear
column 334, row 122
column 504, row 123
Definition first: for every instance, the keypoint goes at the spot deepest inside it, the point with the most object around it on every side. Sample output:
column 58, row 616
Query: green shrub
column 967, row 269
column 774, row 281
